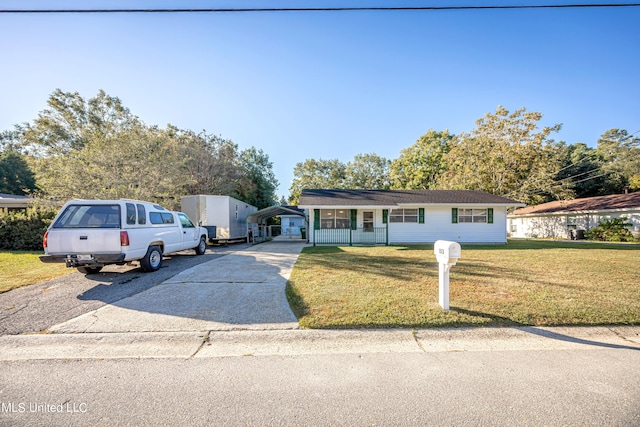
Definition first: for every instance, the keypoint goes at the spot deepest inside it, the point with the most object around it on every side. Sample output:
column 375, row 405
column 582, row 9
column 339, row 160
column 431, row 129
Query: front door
column 367, row 221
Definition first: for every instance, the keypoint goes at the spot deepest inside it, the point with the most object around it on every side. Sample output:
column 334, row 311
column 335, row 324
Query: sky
column 330, row 85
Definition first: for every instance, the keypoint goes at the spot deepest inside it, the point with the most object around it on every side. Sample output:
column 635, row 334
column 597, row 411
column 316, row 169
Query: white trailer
column 224, row 217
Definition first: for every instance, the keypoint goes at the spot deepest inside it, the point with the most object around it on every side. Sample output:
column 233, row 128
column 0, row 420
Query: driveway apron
column 241, row 291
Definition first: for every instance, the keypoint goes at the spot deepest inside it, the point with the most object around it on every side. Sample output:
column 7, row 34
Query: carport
column 259, row 219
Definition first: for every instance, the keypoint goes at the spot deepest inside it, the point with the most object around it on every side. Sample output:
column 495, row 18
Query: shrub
column 611, row 230
column 23, row 230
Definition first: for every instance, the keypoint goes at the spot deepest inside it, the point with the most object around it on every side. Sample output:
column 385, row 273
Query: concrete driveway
column 241, row 291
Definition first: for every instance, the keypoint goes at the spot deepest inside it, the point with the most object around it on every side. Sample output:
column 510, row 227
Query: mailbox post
column 447, row 254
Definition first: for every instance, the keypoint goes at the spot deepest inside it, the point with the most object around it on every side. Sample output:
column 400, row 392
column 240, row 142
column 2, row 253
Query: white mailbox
column 447, row 254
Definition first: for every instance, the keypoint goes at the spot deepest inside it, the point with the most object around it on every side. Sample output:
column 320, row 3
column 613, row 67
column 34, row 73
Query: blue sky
column 329, row 84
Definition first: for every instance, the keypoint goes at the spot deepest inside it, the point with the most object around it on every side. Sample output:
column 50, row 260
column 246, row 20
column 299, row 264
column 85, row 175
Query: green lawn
column 24, row 268
column 522, row 283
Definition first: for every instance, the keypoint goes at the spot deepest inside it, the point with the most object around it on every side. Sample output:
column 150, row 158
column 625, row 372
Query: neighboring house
column 12, row 202
column 347, row 217
column 565, row 219
column 291, row 223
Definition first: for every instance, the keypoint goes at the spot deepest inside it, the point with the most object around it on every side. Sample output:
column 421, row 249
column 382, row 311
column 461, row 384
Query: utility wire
column 323, row 9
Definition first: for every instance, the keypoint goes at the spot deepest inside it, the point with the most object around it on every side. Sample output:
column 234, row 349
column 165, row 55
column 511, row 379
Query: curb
column 212, row 344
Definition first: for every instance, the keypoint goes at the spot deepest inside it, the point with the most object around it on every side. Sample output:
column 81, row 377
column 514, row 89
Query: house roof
column 600, row 203
column 400, row 197
column 13, row 201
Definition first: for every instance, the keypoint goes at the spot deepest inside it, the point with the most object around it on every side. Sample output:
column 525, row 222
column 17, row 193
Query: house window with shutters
column 404, row 215
column 335, row 218
column 468, row 215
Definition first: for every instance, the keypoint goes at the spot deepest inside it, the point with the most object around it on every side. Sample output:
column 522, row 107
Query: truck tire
column 202, row 246
column 152, row 261
column 89, row 270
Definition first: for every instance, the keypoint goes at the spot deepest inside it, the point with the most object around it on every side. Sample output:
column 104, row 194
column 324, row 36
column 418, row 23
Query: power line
column 322, row 9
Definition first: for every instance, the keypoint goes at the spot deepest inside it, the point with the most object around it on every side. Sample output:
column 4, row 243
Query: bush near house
column 24, row 230
column 611, row 230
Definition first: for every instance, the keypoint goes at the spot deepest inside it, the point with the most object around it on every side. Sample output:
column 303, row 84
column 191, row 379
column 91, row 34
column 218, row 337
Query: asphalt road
column 591, row 387
column 37, row 307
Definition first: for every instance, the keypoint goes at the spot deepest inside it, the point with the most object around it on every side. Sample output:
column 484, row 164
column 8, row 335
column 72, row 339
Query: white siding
column 554, row 226
column 438, row 226
column 287, row 228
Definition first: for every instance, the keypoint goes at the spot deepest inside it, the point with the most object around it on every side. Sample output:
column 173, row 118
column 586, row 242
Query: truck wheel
column 152, row 259
column 202, row 246
column 89, row 270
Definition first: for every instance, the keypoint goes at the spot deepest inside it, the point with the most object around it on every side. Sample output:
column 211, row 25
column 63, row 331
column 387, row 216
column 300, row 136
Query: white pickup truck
column 89, row 234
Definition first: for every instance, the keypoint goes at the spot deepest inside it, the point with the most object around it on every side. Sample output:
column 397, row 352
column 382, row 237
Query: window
column 403, row 215
column 89, row 216
column 472, row 215
column 185, row 221
column 334, row 218
column 142, row 214
column 160, row 218
column 131, row 213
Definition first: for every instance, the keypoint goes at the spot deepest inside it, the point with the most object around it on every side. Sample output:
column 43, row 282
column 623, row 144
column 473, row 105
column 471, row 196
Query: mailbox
column 447, row 252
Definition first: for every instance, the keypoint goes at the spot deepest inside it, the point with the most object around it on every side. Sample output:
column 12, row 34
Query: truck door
column 189, row 231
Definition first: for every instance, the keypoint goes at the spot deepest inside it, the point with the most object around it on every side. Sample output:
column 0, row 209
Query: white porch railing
column 346, row 236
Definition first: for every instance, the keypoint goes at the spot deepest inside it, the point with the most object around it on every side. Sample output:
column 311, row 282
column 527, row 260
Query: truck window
column 131, row 213
column 89, row 216
column 142, row 214
column 185, row 221
column 160, row 218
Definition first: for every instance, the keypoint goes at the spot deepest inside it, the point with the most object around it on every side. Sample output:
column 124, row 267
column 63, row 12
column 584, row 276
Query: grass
column 522, row 283
column 19, row 268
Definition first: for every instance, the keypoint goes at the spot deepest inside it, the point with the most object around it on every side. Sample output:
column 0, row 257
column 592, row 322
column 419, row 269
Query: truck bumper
column 76, row 260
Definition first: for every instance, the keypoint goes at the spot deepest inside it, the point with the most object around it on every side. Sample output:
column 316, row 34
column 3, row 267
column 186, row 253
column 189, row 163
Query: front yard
column 20, row 268
column 522, row 283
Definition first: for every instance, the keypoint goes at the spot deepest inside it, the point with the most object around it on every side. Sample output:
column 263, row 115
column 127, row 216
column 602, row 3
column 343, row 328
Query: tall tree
column 314, row 173
column 97, row 149
column 507, row 154
column 70, row 122
column 582, row 171
column 420, row 166
column 259, row 183
column 621, row 154
column 15, row 175
column 367, row 172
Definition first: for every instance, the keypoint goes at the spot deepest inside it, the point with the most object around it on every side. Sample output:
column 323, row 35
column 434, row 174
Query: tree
column 508, row 155
column 97, row 149
column 367, row 172
column 420, row 166
column 70, row 122
column 213, row 163
column 258, row 185
column 582, row 170
column 621, row 155
column 314, row 173
column 15, row 175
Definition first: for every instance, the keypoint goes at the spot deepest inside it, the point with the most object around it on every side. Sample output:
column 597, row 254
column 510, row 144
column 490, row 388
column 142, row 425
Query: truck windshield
column 89, row 216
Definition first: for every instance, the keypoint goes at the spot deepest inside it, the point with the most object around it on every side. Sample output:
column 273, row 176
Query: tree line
column 96, row 148
column 507, row 154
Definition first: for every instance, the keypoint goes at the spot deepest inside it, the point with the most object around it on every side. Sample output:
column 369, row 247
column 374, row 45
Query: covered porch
column 347, row 226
